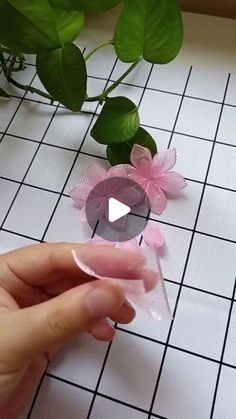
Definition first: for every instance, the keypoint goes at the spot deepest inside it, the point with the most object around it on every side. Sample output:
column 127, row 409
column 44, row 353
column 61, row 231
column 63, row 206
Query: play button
column 116, row 209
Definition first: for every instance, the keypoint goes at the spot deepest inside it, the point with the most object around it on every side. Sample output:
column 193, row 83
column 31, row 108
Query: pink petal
column 117, row 171
column 139, row 153
column 129, row 169
column 171, row 183
column 158, row 202
column 96, row 174
column 165, row 160
column 153, row 236
column 80, row 193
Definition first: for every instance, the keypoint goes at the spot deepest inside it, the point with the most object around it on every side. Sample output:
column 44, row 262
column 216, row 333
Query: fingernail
column 102, row 301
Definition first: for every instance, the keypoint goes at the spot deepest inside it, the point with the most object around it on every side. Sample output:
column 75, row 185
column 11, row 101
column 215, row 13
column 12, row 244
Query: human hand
column 45, row 301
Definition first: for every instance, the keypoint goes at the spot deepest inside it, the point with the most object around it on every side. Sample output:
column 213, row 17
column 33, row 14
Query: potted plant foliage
column 148, row 30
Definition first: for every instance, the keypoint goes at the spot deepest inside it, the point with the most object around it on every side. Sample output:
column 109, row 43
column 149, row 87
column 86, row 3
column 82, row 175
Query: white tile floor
column 30, row 205
column 186, row 387
column 226, row 133
column 159, row 109
column 188, row 150
column 212, row 265
column 48, row 406
column 170, row 78
column 104, row 408
column 222, row 171
column 178, row 358
column 132, row 378
column 207, row 85
column 31, row 120
column 192, row 119
column 15, row 157
column 217, row 215
column 87, row 355
column 194, row 328
column 54, row 174
column 67, row 130
column 226, row 401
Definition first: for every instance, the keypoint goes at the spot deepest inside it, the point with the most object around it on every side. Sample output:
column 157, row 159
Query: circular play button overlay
column 116, row 209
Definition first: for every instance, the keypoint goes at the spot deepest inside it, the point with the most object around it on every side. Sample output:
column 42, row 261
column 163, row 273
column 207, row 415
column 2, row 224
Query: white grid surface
column 179, row 369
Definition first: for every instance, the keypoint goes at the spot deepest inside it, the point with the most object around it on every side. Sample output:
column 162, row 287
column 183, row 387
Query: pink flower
column 154, row 175
column 95, row 174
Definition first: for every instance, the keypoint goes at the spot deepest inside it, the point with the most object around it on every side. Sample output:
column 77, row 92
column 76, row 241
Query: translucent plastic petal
column 165, row 160
column 139, row 153
column 153, row 236
column 155, row 302
column 96, row 174
column 172, row 183
column 80, row 193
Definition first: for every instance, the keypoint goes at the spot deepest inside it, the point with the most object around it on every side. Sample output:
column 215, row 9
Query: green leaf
column 118, row 121
column 118, row 154
column 28, row 26
column 152, row 29
column 69, row 24
column 63, row 74
column 87, row 6
column 4, row 94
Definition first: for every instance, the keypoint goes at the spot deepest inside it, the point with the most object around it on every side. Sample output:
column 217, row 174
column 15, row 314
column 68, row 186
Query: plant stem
column 21, row 65
column 10, row 67
column 121, row 78
column 3, row 62
column 30, row 89
column 102, row 45
column 101, row 98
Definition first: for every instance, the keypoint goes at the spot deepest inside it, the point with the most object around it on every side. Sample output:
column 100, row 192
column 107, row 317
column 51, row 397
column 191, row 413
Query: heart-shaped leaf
column 63, row 74
column 69, row 24
column 118, row 154
column 151, row 29
column 4, row 94
column 86, row 6
column 118, row 121
column 28, row 26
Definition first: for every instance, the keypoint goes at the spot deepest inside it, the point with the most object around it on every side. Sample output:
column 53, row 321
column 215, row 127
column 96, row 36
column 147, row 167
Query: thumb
column 33, row 330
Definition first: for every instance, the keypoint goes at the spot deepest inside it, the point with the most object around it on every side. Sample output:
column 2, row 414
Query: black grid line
column 169, row 92
column 187, row 258
column 105, row 396
column 223, row 351
column 26, row 173
column 157, row 128
column 85, row 153
column 180, row 106
column 177, row 348
column 137, row 215
column 20, row 235
column 169, row 144
column 35, row 398
column 16, row 110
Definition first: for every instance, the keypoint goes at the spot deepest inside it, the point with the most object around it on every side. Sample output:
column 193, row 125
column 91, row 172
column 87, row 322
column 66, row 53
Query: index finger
column 42, row 264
